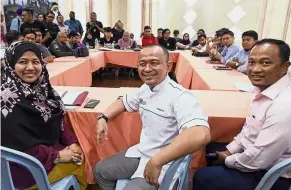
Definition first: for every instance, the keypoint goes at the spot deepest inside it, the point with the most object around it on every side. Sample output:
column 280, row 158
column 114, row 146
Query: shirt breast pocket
column 253, row 126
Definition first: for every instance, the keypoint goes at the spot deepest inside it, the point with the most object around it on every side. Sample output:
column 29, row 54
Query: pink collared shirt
column 265, row 138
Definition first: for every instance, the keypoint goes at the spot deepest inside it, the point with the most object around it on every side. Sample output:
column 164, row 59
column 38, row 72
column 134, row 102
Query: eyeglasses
column 51, row 16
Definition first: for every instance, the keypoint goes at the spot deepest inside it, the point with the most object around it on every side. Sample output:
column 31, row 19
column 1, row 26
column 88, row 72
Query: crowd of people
column 173, row 124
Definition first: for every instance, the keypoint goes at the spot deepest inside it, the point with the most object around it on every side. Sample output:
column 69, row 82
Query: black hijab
column 31, row 114
column 185, row 42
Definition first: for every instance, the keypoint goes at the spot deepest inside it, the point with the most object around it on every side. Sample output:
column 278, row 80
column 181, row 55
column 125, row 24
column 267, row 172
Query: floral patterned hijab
column 31, row 113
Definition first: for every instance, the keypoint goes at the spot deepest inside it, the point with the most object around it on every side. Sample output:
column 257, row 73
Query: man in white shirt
column 55, row 10
column 172, row 126
column 63, row 28
column 201, row 48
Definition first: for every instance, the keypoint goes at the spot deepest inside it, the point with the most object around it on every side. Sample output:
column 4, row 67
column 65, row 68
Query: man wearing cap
column 17, row 21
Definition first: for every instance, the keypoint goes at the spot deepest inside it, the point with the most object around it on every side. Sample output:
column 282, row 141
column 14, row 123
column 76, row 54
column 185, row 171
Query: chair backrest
column 273, row 174
column 183, row 175
column 31, row 163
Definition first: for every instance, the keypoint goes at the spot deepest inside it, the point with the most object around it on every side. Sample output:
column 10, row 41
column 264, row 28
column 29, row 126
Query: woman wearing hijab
column 126, row 42
column 32, row 118
column 184, row 43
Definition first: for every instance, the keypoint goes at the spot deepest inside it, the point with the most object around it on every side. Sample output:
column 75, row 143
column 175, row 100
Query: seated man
column 148, row 38
column 73, row 40
column 163, row 117
column 195, row 42
column 107, row 41
column 166, row 41
column 265, row 138
column 30, row 36
column 59, row 47
column 176, row 35
column 200, row 50
column 230, row 48
column 240, row 60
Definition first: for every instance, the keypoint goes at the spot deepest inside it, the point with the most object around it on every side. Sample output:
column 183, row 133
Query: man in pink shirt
column 265, row 139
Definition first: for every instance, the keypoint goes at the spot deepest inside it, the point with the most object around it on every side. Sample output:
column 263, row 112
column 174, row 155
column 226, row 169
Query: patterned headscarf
column 32, row 113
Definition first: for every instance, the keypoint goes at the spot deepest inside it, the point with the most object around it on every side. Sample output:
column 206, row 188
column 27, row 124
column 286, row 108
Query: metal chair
column 36, row 169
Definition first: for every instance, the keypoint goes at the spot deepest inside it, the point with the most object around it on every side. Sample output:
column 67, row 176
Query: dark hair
column 11, row 36
column 73, row 34
column 221, row 31
column 201, row 30
column 250, row 33
column 54, row 3
column 176, row 32
column 107, row 29
column 72, row 12
column 37, row 30
column 201, row 36
column 50, row 12
column 93, row 13
column 165, row 51
column 165, row 30
column 29, row 11
column 146, row 28
column 229, row 33
column 25, row 32
column 59, row 16
column 160, row 29
column 284, row 49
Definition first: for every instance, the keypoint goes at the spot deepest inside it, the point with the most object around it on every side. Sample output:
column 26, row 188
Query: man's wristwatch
column 236, row 64
column 102, row 116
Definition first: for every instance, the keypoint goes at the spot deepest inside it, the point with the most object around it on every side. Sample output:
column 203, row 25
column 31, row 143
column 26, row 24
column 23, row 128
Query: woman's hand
column 69, row 155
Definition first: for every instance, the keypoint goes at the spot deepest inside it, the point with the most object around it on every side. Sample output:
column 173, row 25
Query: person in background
column 32, row 119
column 30, row 36
column 17, row 21
column 89, row 41
column 230, row 49
column 73, row 40
column 59, row 46
column 3, row 28
column 61, row 25
column 31, row 24
column 52, row 28
column 195, row 42
column 201, row 48
column 159, row 33
column 10, row 37
column 172, row 126
column 176, row 35
column 117, row 31
column 131, row 36
column 167, row 41
column 125, row 42
column 41, row 17
column 148, row 38
column 184, row 43
column 240, row 60
column 94, row 26
column 55, row 10
column 264, row 139
column 74, row 24
column 107, row 41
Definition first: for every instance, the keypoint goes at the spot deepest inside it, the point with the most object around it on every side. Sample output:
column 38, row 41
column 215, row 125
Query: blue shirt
column 74, row 25
column 228, row 52
column 16, row 23
column 243, row 57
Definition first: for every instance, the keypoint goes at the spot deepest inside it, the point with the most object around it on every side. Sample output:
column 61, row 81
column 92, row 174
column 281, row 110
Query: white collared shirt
column 165, row 111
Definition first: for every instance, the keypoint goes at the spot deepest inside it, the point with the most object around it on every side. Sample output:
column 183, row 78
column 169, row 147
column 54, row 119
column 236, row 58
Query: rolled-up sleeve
column 188, row 112
column 273, row 140
column 131, row 101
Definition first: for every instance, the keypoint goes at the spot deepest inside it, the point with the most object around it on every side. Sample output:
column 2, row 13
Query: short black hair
column 93, row 13
column 146, row 28
column 221, row 31
column 165, row 30
column 59, row 16
column 160, row 29
column 25, row 32
column 11, row 36
column 228, row 33
column 50, row 12
column 54, row 3
column 250, row 33
column 107, row 29
column 72, row 12
column 165, row 51
column 29, row 11
column 201, row 31
column 176, row 32
column 284, row 49
column 201, row 36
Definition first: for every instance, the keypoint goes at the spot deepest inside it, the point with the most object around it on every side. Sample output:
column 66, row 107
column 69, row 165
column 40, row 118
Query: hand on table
column 101, row 128
column 68, row 155
column 152, row 172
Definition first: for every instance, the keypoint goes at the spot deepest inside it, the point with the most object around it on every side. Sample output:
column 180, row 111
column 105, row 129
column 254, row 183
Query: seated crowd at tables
column 33, row 115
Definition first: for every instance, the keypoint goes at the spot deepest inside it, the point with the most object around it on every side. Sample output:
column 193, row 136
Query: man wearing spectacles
column 52, row 28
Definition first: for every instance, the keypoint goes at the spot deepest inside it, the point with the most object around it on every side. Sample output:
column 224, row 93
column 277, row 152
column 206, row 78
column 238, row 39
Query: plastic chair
column 36, row 169
column 168, row 179
column 273, row 174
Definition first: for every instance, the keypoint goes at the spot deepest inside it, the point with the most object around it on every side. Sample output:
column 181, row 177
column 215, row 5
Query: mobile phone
column 211, row 157
column 119, row 97
column 222, row 68
column 92, row 104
